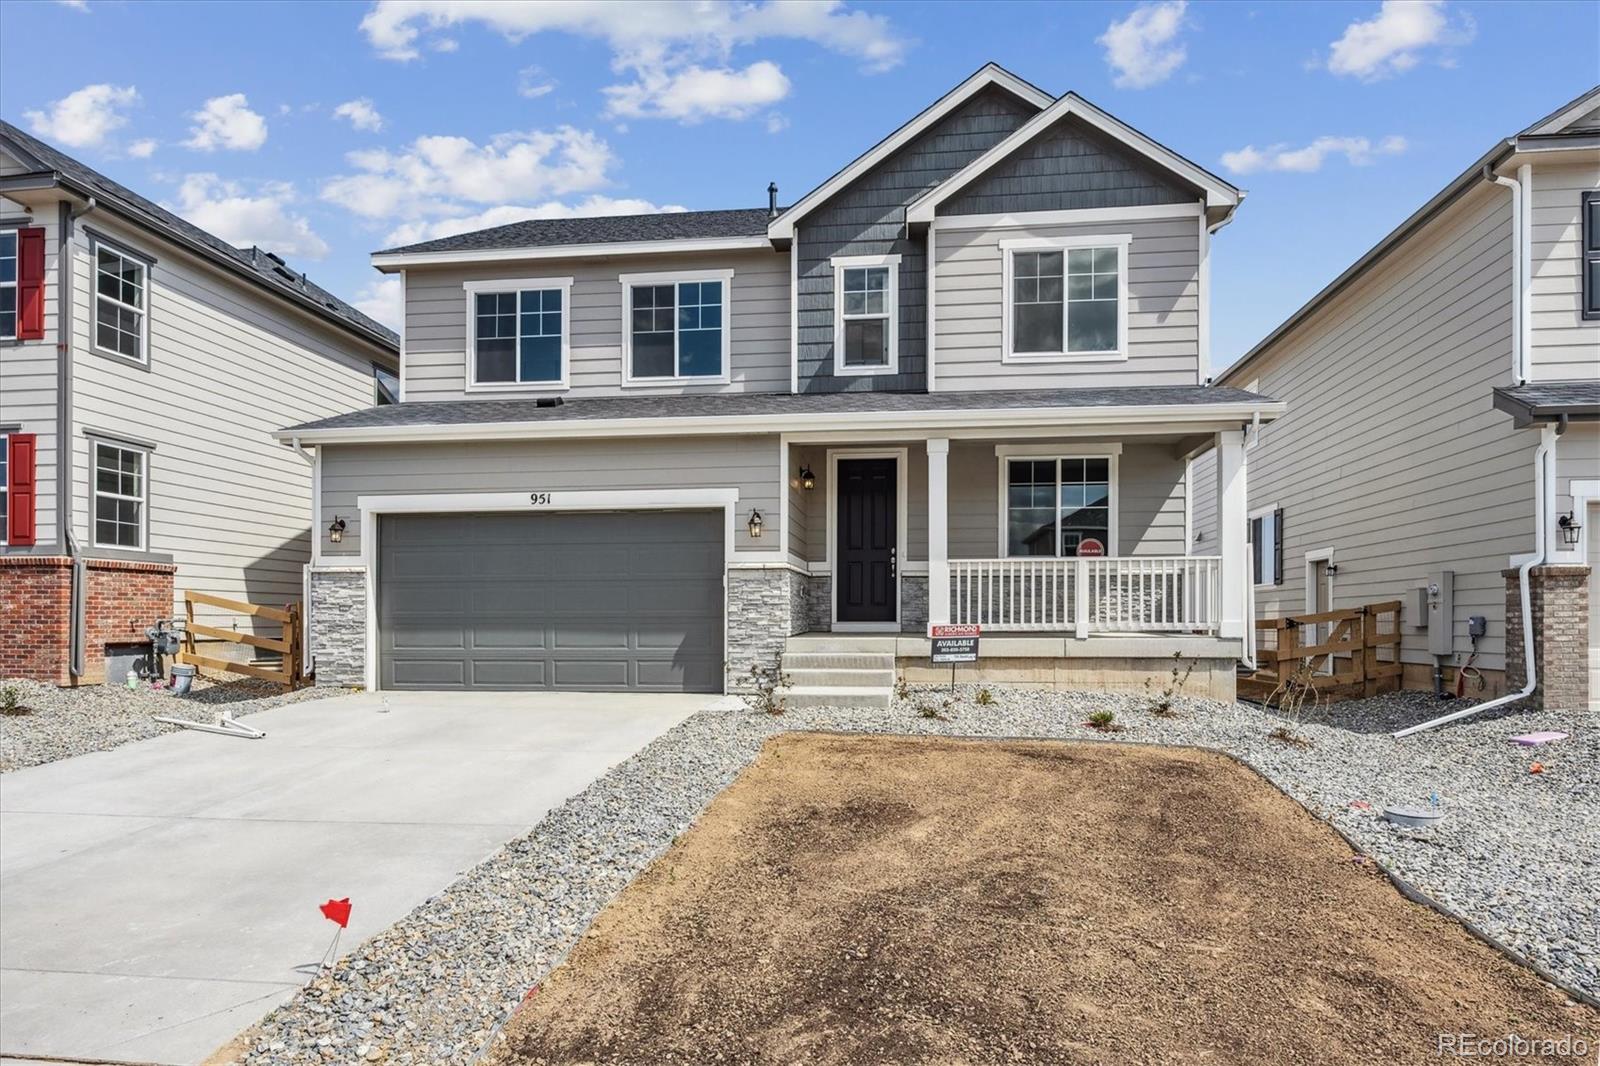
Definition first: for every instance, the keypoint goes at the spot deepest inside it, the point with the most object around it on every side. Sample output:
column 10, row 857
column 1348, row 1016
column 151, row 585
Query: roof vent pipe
column 772, row 199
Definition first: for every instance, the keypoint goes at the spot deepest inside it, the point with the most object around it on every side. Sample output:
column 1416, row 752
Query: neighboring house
column 957, row 382
column 138, row 390
column 1421, row 384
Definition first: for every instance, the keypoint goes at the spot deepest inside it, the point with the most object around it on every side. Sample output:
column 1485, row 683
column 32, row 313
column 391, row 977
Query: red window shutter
column 20, row 449
column 30, row 285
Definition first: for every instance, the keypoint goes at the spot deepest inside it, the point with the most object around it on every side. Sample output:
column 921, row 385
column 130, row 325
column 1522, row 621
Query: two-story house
column 1443, row 441
column 958, row 382
column 144, row 364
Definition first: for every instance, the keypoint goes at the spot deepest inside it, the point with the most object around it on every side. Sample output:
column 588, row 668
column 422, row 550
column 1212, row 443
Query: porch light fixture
column 754, row 525
column 1570, row 529
column 336, row 530
column 808, row 480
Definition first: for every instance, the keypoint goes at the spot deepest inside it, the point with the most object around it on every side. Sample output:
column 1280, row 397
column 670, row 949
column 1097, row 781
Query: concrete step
column 836, row 660
column 808, row 677
column 844, row 642
column 810, row 696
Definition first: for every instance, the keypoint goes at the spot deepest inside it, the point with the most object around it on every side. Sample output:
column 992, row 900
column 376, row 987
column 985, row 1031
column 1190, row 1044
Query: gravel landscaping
column 63, row 722
column 1517, row 853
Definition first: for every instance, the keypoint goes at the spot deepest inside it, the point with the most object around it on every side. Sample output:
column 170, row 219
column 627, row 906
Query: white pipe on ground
column 1543, row 492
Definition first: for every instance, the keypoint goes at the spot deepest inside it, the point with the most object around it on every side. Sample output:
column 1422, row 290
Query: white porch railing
column 1164, row 594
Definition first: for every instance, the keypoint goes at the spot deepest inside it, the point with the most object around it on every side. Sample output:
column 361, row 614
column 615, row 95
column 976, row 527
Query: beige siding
column 28, row 372
column 436, row 322
column 1203, row 508
column 1392, row 454
column 1577, row 459
column 227, row 367
column 746, row 463
column 1565, row 347
column 1163, row 313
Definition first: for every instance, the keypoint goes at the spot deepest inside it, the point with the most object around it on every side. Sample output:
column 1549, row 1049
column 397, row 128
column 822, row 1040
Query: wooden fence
column 287, row 644
column 1352, row 652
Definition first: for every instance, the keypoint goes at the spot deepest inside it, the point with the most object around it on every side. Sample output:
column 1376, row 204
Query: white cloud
column 696, row 93
column 76, row 5
column 242, row 218
column 1357, row 151
column 85, row 117
column 505, row 214
column 532, row 83
column 1391, row 42
column 380, row 299
column 143, row 148
column 777, row 123
column 1143, row 49
column 227, row 122
column 678, row 59
column 361, row 113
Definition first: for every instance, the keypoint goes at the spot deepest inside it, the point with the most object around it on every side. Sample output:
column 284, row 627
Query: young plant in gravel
column 985, row 698
column 767, row 682
column 902, row 689
column 11, row 701
column 1103, row 720
column 1292, row 696
column 928, row 710
column 1162, row 703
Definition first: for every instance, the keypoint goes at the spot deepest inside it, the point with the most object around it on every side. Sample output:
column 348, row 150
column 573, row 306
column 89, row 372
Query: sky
column 328, row 131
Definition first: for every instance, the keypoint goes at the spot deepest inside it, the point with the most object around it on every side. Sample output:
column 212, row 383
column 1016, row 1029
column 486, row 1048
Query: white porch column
column 938, row 531
column 1233, row 528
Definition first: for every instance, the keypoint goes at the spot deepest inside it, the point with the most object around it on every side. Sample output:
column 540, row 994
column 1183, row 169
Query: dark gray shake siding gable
column 868, row 218
column 1069, row 167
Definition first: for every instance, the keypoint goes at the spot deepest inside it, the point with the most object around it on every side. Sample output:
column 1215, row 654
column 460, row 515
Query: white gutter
column 1521, row 269
column 1544, row 491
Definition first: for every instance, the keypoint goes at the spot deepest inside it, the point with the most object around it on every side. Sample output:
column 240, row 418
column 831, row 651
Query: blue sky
column 329, row 131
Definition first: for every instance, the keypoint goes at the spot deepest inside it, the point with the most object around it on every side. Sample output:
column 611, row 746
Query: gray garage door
column 560, row 601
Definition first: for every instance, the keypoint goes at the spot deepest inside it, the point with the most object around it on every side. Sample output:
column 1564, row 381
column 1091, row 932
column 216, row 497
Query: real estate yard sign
column 954, row 644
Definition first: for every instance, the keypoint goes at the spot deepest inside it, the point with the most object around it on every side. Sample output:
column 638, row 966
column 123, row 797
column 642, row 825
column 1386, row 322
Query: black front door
column 865, row 564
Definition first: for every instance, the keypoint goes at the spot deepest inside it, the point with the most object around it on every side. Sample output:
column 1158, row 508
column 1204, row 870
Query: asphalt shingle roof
column 487, row 411
column 1546, row 400
column 602, row 229
column 295, row 286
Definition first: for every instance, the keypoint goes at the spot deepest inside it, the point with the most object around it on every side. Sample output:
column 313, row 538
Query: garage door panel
column 570, row 601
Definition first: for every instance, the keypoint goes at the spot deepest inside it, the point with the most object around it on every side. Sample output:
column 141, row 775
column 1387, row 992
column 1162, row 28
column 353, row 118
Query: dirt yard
column 856, row 899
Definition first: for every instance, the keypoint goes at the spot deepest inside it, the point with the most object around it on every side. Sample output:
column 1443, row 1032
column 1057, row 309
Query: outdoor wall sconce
column 1333, row 569
column 755, row 525
column 808, row 480
column 1570, row 529
column 336, row 530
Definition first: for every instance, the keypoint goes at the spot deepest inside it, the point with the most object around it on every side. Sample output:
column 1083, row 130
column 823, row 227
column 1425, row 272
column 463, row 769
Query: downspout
column 66, row 267
column 1521, row 262
column 1544, row 490
column 308, row 664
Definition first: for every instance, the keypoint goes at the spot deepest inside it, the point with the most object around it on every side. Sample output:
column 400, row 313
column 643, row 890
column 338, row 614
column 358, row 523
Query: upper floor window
column 8, row 288
column 1266, row 545
column 121, row 491
column 676, row 327
column 1054, row 506
column 865, row 321
column 121, row 295
column 385, row 386
column 1591, row 255
column 1066, row 298
column 518, row 333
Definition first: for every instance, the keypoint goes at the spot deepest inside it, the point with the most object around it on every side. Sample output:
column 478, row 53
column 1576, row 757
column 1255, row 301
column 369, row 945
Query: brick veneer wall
column 1559, row 597
column 121, row 598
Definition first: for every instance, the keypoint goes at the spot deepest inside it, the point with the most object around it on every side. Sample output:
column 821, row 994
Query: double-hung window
column 8, row 293
column 518, row 333
column 121, row 303
column 1066, row 298
column 1055, row 504
column 1591, row 255
column 1266, row 546
column 676, row 327
column 865, row 322
column 121, row 496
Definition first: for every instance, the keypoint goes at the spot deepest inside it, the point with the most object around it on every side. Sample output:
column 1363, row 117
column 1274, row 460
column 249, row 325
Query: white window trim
column 1110, row 452
column 1120, row 241
column 674, row 278
column 15, row 284
column 1266, row 549
column 891, row 312
column 518, row 285
column 94, row 302
column 95, row 444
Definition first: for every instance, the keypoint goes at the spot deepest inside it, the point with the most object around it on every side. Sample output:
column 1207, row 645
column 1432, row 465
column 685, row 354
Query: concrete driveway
column 160, row 897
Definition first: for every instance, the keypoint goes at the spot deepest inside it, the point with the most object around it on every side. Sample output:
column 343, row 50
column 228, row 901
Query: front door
column 865, row 567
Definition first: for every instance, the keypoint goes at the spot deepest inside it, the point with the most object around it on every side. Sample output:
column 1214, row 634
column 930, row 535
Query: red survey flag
column 337, row 910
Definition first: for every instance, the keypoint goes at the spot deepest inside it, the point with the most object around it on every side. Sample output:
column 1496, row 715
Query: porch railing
column 1167, row 594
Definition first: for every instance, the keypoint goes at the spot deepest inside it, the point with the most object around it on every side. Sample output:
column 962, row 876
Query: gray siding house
column 144, row 364
column 958, row 383
column 1444, row 426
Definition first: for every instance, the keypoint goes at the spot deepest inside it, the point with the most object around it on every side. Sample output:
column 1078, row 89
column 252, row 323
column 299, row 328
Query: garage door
column 601, row 602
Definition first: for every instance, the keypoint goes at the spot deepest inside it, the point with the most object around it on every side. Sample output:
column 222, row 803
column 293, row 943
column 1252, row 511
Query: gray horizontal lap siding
column 868, row 218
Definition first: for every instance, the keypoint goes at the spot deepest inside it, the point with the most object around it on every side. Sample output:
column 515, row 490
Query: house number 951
column 538, row 498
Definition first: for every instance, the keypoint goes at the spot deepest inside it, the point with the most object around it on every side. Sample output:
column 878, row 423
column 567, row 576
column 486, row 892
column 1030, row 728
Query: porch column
column 1233, row 528
column 938, row 531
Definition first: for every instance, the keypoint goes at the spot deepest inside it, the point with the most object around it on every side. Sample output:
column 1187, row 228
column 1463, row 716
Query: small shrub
column 902, row 688
column 928, row 710
column 1161, row 703
column 985, row 698
column 767, row 681
column 1292, row 696
column 1103, row 720
column 1286, row 736
column 11, row 701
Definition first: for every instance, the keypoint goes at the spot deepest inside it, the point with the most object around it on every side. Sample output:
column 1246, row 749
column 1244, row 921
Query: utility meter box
column 1414, row 610
column 1441, row 592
